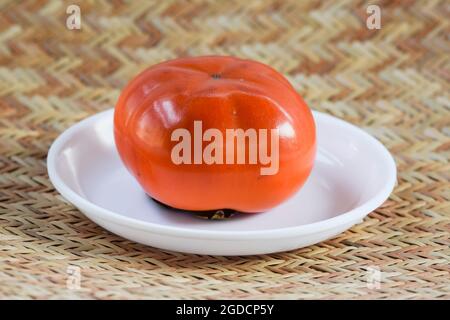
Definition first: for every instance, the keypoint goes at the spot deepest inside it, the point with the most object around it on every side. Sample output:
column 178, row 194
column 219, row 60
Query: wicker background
column 393, row 82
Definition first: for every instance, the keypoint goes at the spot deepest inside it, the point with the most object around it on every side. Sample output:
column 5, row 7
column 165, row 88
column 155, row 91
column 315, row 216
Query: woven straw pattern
column 392, row 82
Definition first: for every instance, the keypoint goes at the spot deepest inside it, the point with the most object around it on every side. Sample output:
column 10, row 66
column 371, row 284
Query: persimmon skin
column 224, row 93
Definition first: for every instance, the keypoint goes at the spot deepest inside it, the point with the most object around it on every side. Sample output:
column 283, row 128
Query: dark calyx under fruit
column 221, row 214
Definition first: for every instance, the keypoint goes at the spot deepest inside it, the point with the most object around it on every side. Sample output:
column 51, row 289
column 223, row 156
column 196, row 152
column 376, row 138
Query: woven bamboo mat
column 392, row 82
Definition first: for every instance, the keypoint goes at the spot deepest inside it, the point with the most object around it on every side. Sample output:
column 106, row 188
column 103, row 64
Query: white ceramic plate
column 353, row 175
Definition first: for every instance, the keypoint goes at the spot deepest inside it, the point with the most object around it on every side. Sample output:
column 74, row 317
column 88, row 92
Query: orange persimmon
column 220, row 93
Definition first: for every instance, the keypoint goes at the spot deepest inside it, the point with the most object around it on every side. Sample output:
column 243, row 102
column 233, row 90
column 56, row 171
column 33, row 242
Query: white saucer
column 353, row 175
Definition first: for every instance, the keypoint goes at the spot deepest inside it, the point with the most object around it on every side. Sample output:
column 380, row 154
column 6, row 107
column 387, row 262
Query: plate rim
column 345, row 218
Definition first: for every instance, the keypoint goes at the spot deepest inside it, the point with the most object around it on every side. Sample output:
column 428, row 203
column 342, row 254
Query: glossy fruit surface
column 223, row 93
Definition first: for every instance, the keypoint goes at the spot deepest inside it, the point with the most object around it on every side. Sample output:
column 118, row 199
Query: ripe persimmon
column 220, row 93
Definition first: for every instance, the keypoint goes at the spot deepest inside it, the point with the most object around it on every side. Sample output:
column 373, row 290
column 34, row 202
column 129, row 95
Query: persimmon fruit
column 223, row 93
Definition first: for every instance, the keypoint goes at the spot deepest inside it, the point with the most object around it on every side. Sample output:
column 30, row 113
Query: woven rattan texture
column 392, row 82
